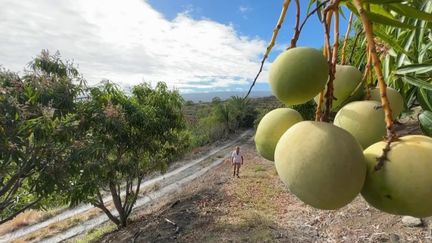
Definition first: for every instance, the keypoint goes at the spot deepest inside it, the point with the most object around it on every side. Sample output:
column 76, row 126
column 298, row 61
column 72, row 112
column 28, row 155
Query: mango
column 271, row 128
column 347, row 79
column 364, row 120
column 323, row 165
column 396, row 100
column 403, row 186
column 298, row 74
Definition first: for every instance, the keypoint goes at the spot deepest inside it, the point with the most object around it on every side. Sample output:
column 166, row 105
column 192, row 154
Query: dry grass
column 21, row 220
column 58, row 227
column 94, row 234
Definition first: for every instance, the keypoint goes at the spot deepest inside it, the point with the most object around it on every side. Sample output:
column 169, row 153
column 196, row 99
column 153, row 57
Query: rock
column 394, row 238
column 411, row 221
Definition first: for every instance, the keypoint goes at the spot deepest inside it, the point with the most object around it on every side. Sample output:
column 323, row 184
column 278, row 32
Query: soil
column 257, row 207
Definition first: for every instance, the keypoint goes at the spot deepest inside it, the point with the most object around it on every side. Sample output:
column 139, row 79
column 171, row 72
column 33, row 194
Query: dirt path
column 157, row 188
column 258, row 208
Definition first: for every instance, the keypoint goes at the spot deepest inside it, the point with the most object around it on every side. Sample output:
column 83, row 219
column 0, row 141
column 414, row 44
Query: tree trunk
column 118, row 205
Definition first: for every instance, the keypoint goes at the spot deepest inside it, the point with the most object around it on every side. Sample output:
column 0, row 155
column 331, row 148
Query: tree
column 36, row 126
column 216, row 100
column 122, row 139
column 244, row 114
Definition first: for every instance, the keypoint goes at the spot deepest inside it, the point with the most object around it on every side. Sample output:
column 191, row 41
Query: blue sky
column 193, row 45
column 250, row 18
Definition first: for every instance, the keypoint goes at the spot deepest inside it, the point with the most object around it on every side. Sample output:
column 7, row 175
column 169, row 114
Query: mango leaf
column 351, row 7
column 417, row 82
column 381, row 19
column 309, row 5
column 424, row 97
column 391, row 41
column 377, row 9
column 411, row 95
column 409, row 11
column 414, row 68
column 425, row 120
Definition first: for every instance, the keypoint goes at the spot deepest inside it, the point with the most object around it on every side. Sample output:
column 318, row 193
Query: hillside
column 259, row 208
column 192, row 110
column 208, row 96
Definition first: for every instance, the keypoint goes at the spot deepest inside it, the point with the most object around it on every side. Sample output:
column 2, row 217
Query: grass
column 28, row 217
column 95, row 234
column 58, row 227
column 21, row 220
column 259, row 168
column 249, row 207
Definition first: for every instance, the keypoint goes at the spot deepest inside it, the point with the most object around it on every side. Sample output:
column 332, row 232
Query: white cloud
column 128, row 42
column 244, row 9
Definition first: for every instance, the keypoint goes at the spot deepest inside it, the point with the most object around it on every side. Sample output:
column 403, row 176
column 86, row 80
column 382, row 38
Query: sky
column 192, row 45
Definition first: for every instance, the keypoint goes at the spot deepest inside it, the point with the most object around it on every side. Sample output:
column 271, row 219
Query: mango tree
column 120, row 140
column 36, row 127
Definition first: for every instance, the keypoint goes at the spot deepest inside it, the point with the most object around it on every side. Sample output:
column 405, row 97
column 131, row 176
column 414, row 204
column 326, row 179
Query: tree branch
column 328, row 54
column 20, row 211
column 296, row 27
column 345, row 43
column 391, row 135
column 272, row 42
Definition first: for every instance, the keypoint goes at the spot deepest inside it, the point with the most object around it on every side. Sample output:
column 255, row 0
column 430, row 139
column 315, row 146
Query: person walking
column 236, row 161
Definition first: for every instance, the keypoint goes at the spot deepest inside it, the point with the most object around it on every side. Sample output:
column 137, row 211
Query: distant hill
column 207, row 97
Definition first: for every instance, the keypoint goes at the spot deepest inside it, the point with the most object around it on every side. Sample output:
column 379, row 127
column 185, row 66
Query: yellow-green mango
column 271, row 128
column 347, row 79
column 298, row 74
column 403, row 186
column 364, row 120
column 396, row 100
column 323, row 165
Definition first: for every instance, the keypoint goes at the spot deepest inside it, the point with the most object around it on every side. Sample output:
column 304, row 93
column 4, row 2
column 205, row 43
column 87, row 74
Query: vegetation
column 62, row 142
column 36, row 123
column 218, row 119
column 120, row 140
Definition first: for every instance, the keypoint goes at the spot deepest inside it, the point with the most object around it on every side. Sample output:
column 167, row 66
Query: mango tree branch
column 318, row 111
column 336, row 39
column 312, row 13
column 328, row 54
column 354, row 46
column 391, row 136
column 367, row 72
column 296, row 27
column 272, row 42
column 346, row 38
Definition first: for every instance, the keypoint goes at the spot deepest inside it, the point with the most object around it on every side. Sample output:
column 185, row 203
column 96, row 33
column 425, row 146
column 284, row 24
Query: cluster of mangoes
column 327, row 165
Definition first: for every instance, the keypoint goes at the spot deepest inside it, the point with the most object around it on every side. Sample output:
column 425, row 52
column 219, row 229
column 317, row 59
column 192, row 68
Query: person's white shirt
column 237, row 157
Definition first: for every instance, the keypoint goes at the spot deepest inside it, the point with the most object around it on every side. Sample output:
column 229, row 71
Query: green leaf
column 310, row 5
column 391, row 41
column 377, row 9
column 351, row 7
column 409, row 11
column 417, row 82
column 414, row 68
column 424, row 97
column 381, row 19
column 425, row 120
